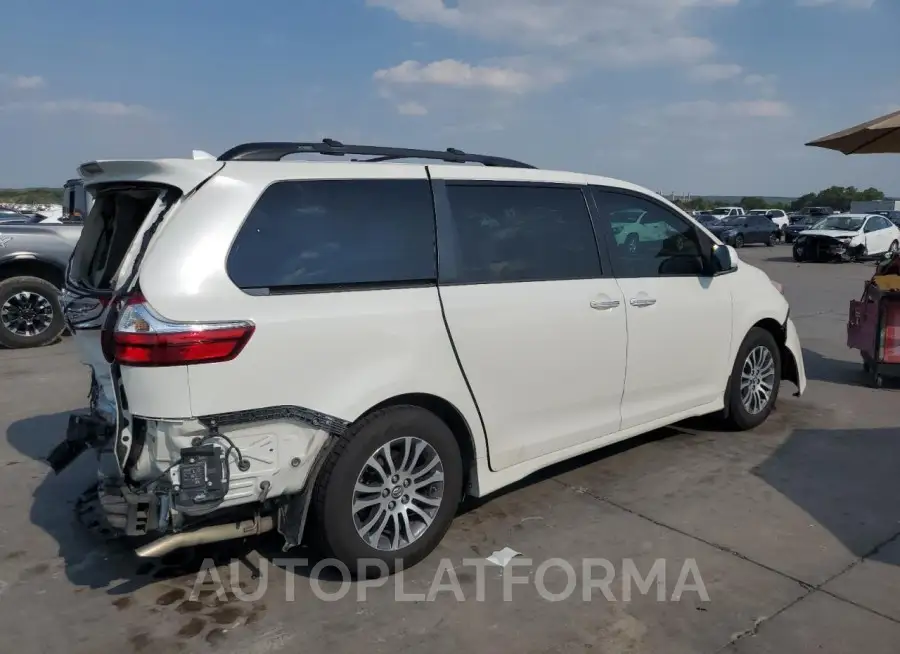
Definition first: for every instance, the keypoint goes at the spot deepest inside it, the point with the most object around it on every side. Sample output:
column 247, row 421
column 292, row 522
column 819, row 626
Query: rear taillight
column 141, row 338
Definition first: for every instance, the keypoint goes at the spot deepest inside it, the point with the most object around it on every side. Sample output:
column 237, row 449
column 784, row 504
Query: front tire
column 388, row 490
column 799, row 253
column 773, row 239
column 30, row 313
column 894, row 247
column 755, row 380
column 738, row 241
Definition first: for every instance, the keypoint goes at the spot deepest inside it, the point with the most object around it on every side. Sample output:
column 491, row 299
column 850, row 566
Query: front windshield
column 843, row 223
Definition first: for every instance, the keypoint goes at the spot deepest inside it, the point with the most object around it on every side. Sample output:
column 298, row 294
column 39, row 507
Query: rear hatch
column 131, row 202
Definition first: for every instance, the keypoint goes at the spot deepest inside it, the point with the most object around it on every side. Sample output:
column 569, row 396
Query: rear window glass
column 336, row 232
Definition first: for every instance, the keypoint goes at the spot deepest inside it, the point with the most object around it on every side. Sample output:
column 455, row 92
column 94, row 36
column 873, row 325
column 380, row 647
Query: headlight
column 844, row 239
column 618, row 229
column 729, row 232
column 801, row 239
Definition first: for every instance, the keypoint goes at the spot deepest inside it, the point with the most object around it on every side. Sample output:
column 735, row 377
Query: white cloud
column 712, row 110
column 450, row 72
column 763, row 84
column 412, row 108
column 590, row 32
column 710, row 73
column 850, row 4
column 85, row 107
column 884, row 109
column 22, row 82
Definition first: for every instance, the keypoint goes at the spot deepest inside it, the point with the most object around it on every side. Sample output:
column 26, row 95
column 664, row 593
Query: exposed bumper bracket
column 83, row 431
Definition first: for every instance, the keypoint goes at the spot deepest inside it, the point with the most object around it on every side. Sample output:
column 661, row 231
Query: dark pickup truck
column 33, row 261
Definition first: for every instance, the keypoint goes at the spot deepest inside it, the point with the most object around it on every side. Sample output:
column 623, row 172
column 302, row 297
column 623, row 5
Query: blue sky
column 702, row 96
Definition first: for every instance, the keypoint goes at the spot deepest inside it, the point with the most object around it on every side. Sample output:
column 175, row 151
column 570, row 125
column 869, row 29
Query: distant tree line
column 31, row 196
column 836, row 197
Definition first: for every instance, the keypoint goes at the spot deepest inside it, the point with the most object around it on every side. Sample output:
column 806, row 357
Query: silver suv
column 356, row 344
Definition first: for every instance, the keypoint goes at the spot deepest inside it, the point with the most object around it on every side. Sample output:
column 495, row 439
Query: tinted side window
column 520, row 233
column 336, row 232
column 665, row 244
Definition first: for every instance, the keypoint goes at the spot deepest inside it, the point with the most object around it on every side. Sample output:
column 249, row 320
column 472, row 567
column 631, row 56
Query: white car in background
column 847, row 236
column 726, row 212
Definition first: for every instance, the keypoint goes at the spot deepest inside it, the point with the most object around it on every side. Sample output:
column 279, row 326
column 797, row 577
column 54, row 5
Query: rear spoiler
column 184, row 174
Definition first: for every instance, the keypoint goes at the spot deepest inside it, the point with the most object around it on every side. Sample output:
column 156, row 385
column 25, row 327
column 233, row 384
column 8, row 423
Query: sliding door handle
column 642, row 302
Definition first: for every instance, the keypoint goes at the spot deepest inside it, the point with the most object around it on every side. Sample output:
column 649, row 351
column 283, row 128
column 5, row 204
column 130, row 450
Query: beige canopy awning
column 878, row 136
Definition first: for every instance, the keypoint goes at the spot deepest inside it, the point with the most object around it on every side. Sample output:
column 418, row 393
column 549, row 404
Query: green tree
column 752, row 202
column 31, row 196
column 838, row 198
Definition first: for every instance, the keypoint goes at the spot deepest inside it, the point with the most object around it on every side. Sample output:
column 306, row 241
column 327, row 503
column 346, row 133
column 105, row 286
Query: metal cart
column 873, row 328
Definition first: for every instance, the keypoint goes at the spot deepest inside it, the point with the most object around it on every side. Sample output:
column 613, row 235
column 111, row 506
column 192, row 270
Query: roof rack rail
column 276, row 151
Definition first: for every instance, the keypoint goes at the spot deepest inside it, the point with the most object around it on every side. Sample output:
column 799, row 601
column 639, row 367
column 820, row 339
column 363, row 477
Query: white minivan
column 345, row 349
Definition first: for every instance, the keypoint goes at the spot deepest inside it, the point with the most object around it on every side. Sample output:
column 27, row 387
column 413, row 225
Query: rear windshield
column 308, row 234
column 115, row 219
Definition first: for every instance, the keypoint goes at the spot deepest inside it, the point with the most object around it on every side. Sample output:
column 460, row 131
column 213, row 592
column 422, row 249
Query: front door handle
column 642, row 301
column 604, row 305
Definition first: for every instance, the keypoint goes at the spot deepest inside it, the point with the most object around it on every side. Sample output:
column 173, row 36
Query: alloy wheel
column 27, row 314
column 398, row 493
column 757, row 379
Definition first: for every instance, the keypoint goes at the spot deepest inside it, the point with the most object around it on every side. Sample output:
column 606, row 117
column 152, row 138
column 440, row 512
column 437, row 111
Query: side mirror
column 724, row 259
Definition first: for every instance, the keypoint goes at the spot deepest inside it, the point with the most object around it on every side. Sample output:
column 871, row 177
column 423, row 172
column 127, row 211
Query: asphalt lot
column 793, row 529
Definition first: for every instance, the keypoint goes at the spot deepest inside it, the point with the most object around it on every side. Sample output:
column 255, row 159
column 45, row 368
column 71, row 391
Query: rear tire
column 42, row 300
column 339, row 528
column 773, row 239
column 738, row 241
column 757, row 369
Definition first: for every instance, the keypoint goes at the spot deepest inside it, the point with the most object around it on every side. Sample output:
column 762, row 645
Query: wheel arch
column 32, row 265
column 449, row 414
column 778, row 330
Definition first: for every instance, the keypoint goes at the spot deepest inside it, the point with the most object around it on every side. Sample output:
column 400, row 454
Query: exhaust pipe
column 213, row 534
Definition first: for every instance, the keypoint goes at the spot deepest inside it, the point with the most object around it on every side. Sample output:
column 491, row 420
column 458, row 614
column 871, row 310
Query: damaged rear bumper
column 196, row 481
